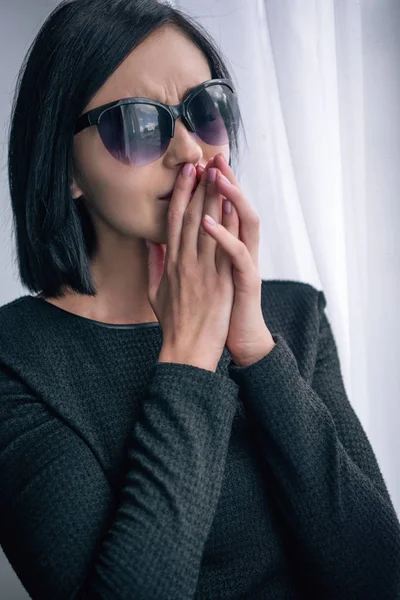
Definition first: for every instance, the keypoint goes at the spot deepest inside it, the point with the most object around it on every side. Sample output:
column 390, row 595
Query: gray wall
column 19, row 22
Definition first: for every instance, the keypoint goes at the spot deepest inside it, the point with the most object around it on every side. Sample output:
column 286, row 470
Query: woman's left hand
column 249, row 339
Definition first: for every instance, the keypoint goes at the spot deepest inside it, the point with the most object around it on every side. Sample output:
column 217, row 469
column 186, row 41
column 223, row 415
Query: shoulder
column 294, row 310
column 294, row 298
column 17, row 322
column 27, row 344
column 15, row 310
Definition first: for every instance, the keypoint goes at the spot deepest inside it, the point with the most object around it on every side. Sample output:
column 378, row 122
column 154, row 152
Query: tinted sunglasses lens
column 135, row 134
column 214, row 112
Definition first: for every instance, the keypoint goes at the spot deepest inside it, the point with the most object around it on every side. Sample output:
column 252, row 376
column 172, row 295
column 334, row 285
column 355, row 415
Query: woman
column 156, row 440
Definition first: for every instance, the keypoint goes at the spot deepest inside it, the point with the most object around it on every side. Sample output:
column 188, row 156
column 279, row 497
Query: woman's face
column 124, row 200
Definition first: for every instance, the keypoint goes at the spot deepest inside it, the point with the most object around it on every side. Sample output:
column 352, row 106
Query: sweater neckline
column 70, row 315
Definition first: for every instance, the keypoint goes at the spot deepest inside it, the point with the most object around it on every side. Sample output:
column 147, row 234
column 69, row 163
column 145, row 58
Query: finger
column 177, row 207
column 191, row 220
column 246, row 276
column 221, row 164
column 231, row 223
column 207, row 245
column 199, row 172
column 249, row 222
column 201, row 168
column 246, row 213
column 210, row 163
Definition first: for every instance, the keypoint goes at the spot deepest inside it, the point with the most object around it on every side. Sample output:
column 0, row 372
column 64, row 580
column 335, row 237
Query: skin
column 123, row 201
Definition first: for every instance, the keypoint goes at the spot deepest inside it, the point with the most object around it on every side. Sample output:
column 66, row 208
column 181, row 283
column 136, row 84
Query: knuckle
column 189, row 217
column 174, row 214
column 185, row 269
column 171, row 269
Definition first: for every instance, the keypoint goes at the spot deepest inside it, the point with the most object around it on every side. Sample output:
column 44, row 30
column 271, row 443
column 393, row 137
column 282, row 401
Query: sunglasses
column 137, row 131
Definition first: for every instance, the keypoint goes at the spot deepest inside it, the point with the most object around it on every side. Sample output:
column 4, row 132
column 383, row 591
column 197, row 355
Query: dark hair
column 77, row 48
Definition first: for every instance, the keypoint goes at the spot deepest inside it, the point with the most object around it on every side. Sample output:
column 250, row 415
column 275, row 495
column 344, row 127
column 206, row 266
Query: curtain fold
column 319, row 87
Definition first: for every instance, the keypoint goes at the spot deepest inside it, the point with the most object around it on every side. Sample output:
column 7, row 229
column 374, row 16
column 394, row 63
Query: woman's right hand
column 192, row 294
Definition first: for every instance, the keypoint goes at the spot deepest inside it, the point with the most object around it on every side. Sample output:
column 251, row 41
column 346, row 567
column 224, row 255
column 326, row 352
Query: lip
column 169, row 195
column 168, row 199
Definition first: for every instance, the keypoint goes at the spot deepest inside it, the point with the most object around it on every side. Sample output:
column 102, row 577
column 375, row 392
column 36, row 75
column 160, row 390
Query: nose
column 184, row 147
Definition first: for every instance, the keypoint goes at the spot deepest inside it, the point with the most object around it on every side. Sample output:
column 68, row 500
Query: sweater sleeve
column 323, row 473
column 61, row 528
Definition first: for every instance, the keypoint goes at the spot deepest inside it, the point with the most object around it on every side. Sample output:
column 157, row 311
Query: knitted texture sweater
column 125, row 478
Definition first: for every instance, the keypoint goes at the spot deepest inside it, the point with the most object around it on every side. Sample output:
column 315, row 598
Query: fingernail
column 227, row 206
column 210, row 160
column 210, row 220
column 212, row 174
column 187, row 170
column 224, row 179
column 224, row 158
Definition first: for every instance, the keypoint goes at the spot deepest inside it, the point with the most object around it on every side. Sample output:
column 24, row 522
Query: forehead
column 163, row 67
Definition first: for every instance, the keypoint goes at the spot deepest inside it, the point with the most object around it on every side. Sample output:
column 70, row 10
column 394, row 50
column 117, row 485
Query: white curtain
column 319, row 88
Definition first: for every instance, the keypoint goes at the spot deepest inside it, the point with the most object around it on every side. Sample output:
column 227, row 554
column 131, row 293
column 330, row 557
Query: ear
column 76, row 191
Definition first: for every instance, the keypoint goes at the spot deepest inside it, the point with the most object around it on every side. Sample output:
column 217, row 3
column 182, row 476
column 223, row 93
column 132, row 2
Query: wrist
column 185, row 359
column 255, row 356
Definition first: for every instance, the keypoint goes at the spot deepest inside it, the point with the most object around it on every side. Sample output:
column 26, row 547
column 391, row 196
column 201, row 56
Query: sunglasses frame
column 93, row 116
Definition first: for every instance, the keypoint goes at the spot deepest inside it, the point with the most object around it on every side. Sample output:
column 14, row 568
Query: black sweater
column 125, row 478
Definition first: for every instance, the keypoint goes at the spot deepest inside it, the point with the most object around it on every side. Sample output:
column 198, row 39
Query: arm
column 324, row 475
column 63, row 529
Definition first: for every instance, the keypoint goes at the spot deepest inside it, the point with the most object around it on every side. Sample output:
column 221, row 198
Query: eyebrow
column 189, row 89
column 185, row 93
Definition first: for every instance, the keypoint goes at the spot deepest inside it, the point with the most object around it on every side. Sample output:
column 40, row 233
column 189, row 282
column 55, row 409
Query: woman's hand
column 191, row 289
column 249, row 339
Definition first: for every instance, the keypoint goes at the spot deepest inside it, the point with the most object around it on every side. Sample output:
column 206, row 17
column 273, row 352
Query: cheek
column 122, row 198
column 121, row 195
column 99, row 174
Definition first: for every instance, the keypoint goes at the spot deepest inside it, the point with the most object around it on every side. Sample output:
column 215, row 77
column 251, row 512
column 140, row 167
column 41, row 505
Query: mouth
column 169, row 195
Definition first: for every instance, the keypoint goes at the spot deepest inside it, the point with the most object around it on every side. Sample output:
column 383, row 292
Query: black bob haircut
column 78, row 47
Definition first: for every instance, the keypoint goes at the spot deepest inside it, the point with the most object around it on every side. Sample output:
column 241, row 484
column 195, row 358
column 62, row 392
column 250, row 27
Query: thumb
column 155, row 262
